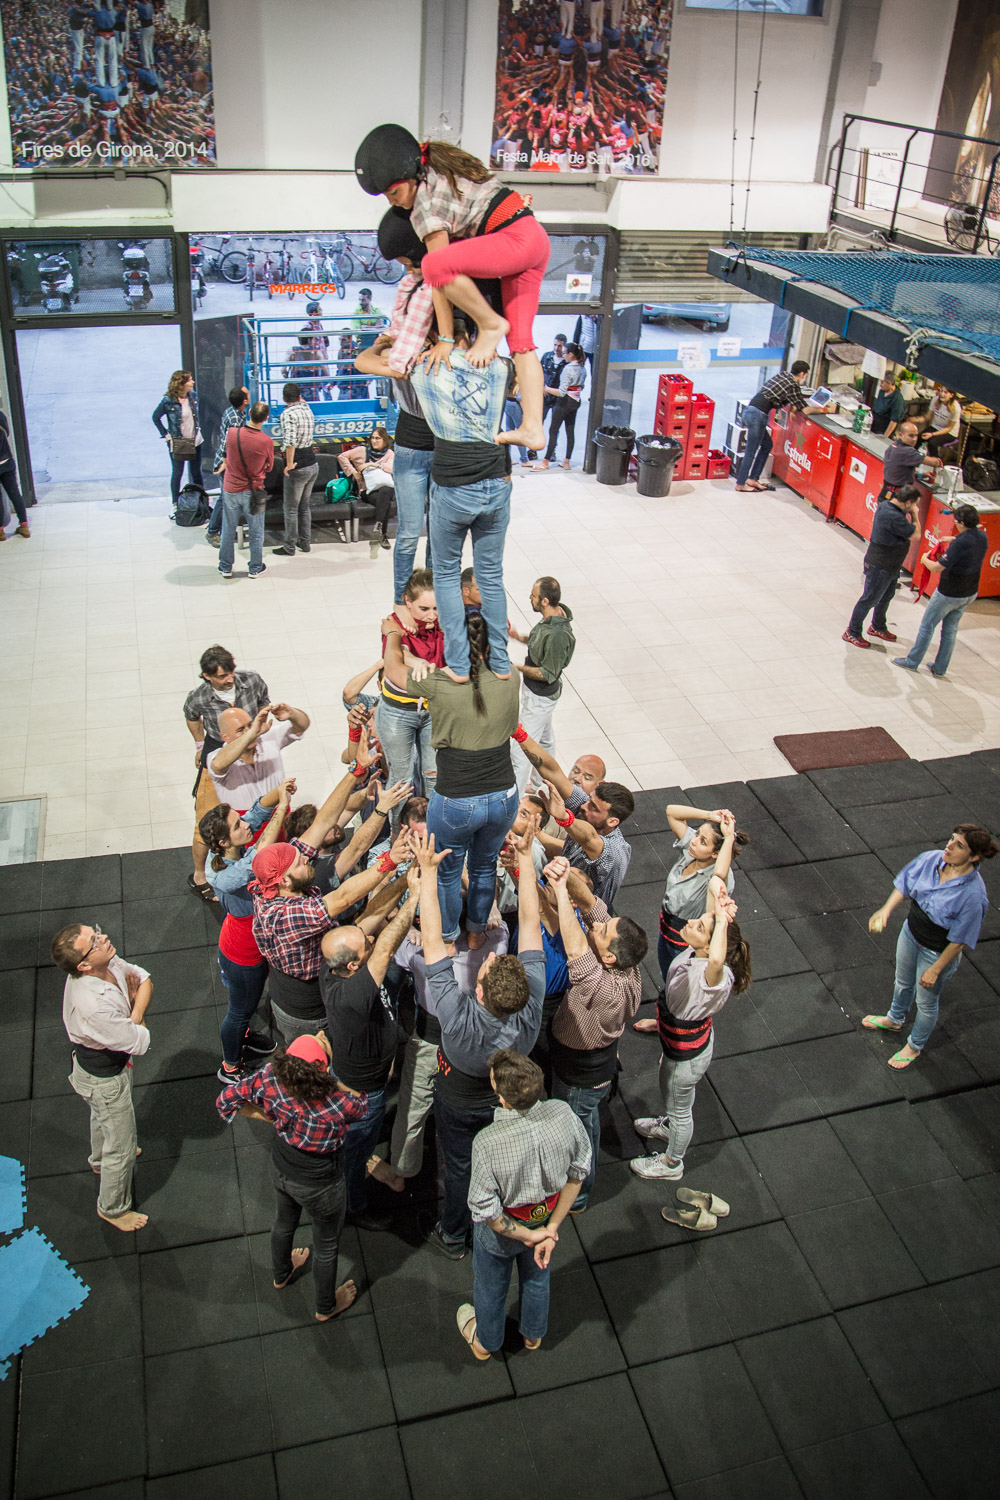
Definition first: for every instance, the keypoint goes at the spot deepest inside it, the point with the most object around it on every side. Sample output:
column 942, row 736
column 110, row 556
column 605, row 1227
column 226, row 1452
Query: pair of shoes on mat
column 703, row 1213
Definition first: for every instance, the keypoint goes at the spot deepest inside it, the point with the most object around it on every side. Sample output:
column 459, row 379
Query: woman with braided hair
column 474, row 800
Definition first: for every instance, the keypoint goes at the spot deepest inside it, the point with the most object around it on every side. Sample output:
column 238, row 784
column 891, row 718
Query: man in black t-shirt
column 363, row 1030
column 957, row 587
column 892, row 532
column 902, row 459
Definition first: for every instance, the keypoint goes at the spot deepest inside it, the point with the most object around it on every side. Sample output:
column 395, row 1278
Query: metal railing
column 273, row 355
column 870, row 176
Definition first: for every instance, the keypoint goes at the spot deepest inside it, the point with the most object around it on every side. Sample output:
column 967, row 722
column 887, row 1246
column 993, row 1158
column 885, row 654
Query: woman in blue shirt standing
column 948, row 902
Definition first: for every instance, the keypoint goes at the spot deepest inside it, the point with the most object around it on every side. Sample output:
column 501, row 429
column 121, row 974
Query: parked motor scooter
column 15, row 277
column 135, row 274
column 198, row 284
column 58, row 286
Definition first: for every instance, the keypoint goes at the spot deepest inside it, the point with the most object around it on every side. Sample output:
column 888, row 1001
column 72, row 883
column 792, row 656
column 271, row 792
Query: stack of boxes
column 685, row 414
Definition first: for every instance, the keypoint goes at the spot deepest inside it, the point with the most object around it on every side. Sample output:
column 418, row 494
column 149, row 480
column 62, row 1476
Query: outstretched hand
column 556, row 872
column 427, row 856
column 393, row 796
column 552, row 795
column 523, row 841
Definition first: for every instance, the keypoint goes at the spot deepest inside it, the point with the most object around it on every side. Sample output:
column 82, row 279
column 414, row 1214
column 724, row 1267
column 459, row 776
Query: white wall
column 912, row 45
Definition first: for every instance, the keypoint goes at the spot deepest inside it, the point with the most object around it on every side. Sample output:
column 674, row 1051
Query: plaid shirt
column 410, row 322
column 437, row 207
column 610, row 867
column 297, row 426
column 203, row 703
column 315, row 1125
column 288, row 930
column 526, row 1156
column 230, row 418
column 599, row 1001
column 463, row 404
column 781, row 391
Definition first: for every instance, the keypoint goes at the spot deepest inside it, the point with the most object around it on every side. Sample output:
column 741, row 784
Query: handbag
column 181, row 447
column 258, row 498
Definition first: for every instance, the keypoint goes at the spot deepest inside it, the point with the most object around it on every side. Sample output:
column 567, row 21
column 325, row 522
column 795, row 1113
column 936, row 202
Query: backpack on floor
column 193, row 506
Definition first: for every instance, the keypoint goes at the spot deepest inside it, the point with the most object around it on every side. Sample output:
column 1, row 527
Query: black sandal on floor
column 203, row 892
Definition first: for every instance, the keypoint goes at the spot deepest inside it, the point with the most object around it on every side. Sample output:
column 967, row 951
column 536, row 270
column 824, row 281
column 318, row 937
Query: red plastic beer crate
column 702, row 413
column 672, row 422
column 674, row 389
column 695, row 450
column 718, row 464
column 696, row 469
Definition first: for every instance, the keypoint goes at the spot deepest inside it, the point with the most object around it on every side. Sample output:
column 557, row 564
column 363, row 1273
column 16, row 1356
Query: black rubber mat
column 837, row 1333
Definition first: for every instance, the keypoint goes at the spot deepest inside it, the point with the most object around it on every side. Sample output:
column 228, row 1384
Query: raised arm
column 574, row 939
column 723, row 859
column 331, row 811
column 286, row 714
column 278, row 798
column 543, row 762
column 231, row 752
column 529, row 924
column 356, row 685
column 372, row 828
column 430, row 908
column 678, row 816
column 578, row 829
column 725, row 910
column 375, row 360
column 397, row 929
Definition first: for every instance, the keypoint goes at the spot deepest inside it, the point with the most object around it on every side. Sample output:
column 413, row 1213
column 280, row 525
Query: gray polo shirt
column 469, row 1033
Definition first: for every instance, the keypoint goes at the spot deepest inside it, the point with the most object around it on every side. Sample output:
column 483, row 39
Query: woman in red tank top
column 233, row 839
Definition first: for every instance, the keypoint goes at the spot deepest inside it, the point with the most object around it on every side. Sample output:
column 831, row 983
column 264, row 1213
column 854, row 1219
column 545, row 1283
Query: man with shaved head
column 363, row 1030
column 249, row 762
column 587, row 772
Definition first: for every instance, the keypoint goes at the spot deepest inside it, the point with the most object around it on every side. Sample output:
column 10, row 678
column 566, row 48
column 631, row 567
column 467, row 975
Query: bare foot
column 532, row 1343
column 128, row 1222
column 476, row 940
column 528, row 435
column 299, row 1258
column 485, row 349
column 346, row 1294
column 380, row 1169
column 644, row 1026
column 902, row 1059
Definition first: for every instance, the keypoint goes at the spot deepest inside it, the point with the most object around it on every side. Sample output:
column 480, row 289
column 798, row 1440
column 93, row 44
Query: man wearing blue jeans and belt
column 505, row 1011
column 783, row 390
column 470, row 495
column 249, row 456
column 957, row 587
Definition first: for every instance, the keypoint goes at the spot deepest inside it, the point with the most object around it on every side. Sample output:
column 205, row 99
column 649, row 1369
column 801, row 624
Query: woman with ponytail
column 474, row 800
column 714, row 964
column 232, row 840
column 473, row 227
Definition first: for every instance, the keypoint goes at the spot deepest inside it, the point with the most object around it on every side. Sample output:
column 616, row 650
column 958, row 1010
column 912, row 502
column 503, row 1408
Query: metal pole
column 986, row 202
column 848, row 120
column 902, row 173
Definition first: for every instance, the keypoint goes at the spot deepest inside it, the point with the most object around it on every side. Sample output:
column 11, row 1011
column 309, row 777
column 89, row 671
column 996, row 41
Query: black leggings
column 384, row 501
column 563, row 415
column 8, row 478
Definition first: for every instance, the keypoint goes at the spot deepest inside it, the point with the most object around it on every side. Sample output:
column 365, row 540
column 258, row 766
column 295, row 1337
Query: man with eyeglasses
column 104, row 1005
column 222, row 686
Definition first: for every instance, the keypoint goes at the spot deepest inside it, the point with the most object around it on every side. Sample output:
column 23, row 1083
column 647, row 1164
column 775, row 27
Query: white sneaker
column 656, row 1166
column 652, row 1128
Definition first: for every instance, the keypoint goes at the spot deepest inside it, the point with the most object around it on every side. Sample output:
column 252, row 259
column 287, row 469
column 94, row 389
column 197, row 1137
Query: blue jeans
column 939, row 609
column 759, row 444
column 244, row 986
column 234, row 506
column 405, row 735
column 481, row 511
column 215, row 519
column 877, row 595
column 455, row 1130
column 586, row 1105
column 911, row 961
column 493, row 1259
column 513, row 417
column 473, row 827
column 177, row 472
column 359, row 1143
column 411, row 469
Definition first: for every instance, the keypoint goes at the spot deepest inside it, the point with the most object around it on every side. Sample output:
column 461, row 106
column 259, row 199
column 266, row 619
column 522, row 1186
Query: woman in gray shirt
column 705, row 851
column 572, row 384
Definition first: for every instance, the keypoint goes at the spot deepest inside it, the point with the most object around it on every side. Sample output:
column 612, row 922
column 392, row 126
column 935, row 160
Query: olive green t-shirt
column 454, row 721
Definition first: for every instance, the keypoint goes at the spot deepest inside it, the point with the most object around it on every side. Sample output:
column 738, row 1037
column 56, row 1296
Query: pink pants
column 518, row 253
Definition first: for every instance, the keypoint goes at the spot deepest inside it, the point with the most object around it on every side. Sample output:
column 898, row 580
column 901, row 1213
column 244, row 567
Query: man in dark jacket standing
column 892, row 532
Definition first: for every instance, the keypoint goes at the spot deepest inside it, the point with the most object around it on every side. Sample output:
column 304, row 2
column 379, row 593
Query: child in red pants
column 472, row 227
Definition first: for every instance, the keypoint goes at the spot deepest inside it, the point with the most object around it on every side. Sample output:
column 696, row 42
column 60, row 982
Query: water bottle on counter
column 862, row 419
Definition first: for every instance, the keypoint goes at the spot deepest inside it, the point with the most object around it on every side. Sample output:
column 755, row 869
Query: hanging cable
column 753, row 121
column 732, row 158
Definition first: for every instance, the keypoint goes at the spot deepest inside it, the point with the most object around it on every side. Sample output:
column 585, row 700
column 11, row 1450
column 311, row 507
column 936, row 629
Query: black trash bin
column 614, row 449
column 657, row 457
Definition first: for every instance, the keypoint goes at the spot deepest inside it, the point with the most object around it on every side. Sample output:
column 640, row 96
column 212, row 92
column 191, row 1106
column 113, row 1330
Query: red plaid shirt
column 288, row 930
column 316, row 1125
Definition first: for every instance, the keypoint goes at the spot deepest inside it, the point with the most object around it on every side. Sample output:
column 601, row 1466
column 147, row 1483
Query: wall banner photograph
column 580, row 86
column 123, row 84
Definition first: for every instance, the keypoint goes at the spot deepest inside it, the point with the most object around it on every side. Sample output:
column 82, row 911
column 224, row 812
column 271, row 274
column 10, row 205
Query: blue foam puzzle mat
column 11, row 1195
column 40, row 1291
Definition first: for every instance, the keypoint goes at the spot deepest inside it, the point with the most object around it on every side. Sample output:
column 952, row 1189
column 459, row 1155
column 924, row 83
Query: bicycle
column 284, row 269
column 230, row 266
column 323, row 268
column 363, row 262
